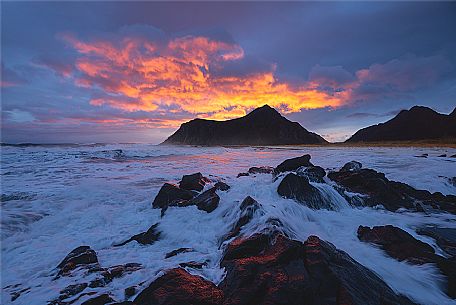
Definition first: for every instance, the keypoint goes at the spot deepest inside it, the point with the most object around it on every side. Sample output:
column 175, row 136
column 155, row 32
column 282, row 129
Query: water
column 55, row 198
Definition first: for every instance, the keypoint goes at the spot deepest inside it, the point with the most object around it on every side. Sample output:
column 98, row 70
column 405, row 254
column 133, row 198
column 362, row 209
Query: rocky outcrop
column 177, row 286
column 293, row 164
column 222, row 186
column 313, row 173
column 171, row 194
column 194, row 182
column 252, row 129
column 206, row 201
column 298, row 188
column 81, row 256
column 418, row 123
column 144, row 238
column 391, row 194
column 272, row 269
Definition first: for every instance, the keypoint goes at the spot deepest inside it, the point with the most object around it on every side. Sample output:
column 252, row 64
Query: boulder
column 442, row 156
column 313, row 173
column 194, row 182
column 445, row 237
column 261, row 170
column 272, row 269
column 144, row 238
column 298, row 188
column 351, row 166
column 178, row 251
column 222, row 186
column 178, row 287
column 170, row 194
column 81, row 256
column 248, row 208
column 293, row 164
column 207, row 201
column 242, row 175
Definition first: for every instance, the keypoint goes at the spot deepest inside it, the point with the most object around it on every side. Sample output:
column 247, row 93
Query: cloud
column 10, row 78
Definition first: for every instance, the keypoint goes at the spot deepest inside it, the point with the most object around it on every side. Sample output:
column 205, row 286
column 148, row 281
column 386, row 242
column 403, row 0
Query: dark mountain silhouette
column 262, row 126
column 418, row 123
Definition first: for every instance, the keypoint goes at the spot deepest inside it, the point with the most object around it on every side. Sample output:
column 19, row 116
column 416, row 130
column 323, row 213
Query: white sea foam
column 98, row 196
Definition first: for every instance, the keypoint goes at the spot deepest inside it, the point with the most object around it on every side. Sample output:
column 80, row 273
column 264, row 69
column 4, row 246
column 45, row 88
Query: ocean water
column 55, row 198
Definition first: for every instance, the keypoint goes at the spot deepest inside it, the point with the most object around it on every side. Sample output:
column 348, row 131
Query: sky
column 109, row 72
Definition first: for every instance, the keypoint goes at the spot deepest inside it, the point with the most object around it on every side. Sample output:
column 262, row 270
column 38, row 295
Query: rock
column 242, row 175
column 120, row 270
column 398, row 243
column 207, row 201
column 391, row 194
column 222, row 186
column 261, row 170
column 144, row 238
column 442, row 156
column 298, row 188
column 81, row 256
column 272, row 269
column 194, row 182
column 452, row 181
column 72, row 290
column 448, row 268
column 178, row 251
column 422, row 156
column 293, row 164
column 351, row 166
column 130, row 291
column 453, row 156
column 248, row 208
column 177, row 286
column 170, row 194
column 192, row 264
column 99, row 300
column 445, row 238
column 313, row 173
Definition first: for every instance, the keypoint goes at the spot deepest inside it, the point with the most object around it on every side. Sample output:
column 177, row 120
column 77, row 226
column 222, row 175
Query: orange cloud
column 187, row 72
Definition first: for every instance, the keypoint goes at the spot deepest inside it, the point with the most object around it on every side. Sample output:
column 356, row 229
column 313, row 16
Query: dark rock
column 272, row 269
column 422, row 156
column 120, row 270
column 242, row 175
column 313, row 173
column 261, row 170
column 248, row 208
column 418, row 123
column 398, row 243
column 452, row 181
column 207, row 201
column 453, row 156
column 170, row 194
column 178, row 287
column 448, row 268
column 99, row 300
column 178, row 251
column 293, row 164
column 445, row 238
column 252, row 129
column 130, row 291
column 391, row 194
column 144, row 238
column 222, row 186
column 442, row 156
column 194, row 182
column 351, row 166
column 72, row 290
column 192, row 264
column 298, row 188
column 82, row 255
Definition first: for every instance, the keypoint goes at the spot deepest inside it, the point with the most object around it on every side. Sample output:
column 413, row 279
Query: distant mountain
column 262, row 126
column 418, row 123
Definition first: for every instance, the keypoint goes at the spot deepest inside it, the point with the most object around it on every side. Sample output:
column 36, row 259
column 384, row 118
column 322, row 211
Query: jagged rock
column 313, row 173
column 298, row 188
column 144, row 238
column 402, row 246
column 82, row 255
column 391, row 194
column 194, row 182
column 170, row 194
column 222, row 186
column 248, row 207
column 99, row 300
column 293, row 164
column 445, row 238
column 261, row 170
column 178, row 251
column 351, row 166
column 272, row 269
column 177, row 286
column 207, row 201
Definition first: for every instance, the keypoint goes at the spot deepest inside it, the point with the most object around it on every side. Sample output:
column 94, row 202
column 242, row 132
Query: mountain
column 262, row 126
column 418, row 123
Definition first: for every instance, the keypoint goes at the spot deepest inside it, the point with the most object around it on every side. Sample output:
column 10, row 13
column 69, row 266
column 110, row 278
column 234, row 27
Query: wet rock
column 194, row 182
column 442, row 156
column 398, row 243
column 445, row 238
column 272, row 269
column 351, row 166
column 448, row 268
column 222, row 186
column 192, row 264
column 72, row 290
column 207, row 201
column 248, row 208
column 378, row 190
column 453, row 156
column 178, row 251
column 313, row 173
column 81, row 256
column 293, row 164
column 242, row 175
column 130, row 291
column 177, row 286
column 120, row 270
column 99, row 300
column 452, row 181
column 170, row 194
column 144, row 238
column 261, row 170
column 298, row 188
